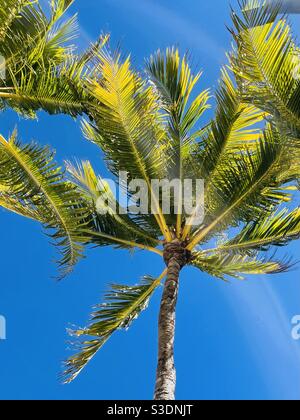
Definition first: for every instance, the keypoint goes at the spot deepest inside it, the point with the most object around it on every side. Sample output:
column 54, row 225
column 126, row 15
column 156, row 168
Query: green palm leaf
column 29, row 34
column 265, row 63
column 9, row 11
column 277, row 229
column 127, row 120
column 223, row 265
column 122, row 305
column 234, row 130
column 112, row 227
column 128, row 125
column 34, row 181
column 14, row 205
column 54, row 89
column 42, row 70
column 254, row 177
column 175, row 84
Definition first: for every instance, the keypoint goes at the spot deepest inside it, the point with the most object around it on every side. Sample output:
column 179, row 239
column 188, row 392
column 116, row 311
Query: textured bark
column 175, row 258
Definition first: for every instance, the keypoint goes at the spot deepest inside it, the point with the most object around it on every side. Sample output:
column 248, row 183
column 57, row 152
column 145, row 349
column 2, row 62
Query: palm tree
column 150, row 127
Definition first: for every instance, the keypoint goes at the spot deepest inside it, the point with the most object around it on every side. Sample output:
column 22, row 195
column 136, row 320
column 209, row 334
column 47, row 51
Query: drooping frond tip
column 122, row 305
column 224, row 265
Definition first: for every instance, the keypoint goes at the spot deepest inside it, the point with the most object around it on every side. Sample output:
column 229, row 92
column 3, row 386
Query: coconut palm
column 150, row 128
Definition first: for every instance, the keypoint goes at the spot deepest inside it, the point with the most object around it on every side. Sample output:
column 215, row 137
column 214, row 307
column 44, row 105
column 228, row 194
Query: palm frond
column 31, row 34
column 52, row 89
column 249, row 188
column 122, row 305
column 42, row 70
column 12, row 204
column 236, row 126
column 9, row 11
column 34, row 181
column 275, row 230
column 113, row 224
column 266, row 64
column 127, row 125
column 174, row 82
column 237, row 266
column 127, row 120
column 234, row 130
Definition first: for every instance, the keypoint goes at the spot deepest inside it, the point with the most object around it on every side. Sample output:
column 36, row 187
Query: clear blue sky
column 233, row 340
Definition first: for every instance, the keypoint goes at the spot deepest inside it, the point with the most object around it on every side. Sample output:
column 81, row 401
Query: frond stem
column 124, row 242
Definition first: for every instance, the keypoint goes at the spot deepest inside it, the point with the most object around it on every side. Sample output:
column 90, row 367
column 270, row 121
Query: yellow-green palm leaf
column 35, row 185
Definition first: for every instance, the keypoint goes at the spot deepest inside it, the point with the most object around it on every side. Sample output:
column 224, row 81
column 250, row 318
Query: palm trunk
column 175, row 257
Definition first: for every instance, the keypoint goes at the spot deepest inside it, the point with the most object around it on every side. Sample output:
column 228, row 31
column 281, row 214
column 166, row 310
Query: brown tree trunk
column 175, row 257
